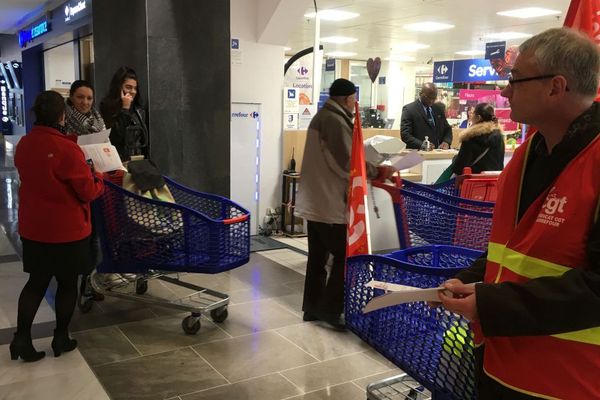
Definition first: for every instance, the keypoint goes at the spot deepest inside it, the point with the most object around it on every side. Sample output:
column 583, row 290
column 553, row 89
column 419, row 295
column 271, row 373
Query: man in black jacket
column 424, row 118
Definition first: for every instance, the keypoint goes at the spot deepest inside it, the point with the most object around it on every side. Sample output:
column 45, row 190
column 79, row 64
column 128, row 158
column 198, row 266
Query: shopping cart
column 424, row 218
column 144, row 239
column 449, row 187
column 432, row 345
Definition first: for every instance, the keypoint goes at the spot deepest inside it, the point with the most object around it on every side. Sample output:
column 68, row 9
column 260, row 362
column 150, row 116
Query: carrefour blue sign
column 476, row 70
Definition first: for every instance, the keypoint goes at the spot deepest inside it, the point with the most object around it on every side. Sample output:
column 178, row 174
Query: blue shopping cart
column 432, row 345
column 144, row 238
column 424, row 216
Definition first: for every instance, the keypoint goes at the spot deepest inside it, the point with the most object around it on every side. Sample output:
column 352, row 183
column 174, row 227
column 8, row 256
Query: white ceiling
column 380, row 25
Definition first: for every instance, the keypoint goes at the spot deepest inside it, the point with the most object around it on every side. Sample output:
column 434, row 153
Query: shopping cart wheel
column 84, row 303
column 219, row 314
column 141, row 286
column 191, row 325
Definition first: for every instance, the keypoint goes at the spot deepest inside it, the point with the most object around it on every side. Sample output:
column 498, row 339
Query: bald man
column 424, row 118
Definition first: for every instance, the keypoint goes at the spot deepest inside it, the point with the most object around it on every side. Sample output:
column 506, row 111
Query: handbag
column 447, row 173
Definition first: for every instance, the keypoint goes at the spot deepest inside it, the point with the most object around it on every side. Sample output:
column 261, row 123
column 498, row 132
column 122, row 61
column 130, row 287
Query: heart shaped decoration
column 373, row 67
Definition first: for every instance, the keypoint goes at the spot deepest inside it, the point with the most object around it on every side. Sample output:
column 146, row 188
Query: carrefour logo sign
column 442, row 69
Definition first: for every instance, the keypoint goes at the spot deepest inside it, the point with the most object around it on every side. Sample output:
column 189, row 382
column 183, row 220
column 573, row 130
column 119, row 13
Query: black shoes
column 23, row 348
column 62, row 343
column 336, row 321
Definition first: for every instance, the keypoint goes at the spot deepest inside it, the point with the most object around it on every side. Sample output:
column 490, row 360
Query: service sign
column 5, row 123
column 477, row 70
column 36, row 30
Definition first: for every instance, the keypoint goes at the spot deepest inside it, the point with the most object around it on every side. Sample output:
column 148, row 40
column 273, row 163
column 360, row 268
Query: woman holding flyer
column 56, row 188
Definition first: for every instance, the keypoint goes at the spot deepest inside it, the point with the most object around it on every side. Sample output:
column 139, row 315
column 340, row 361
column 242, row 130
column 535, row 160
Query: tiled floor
column 132, row 351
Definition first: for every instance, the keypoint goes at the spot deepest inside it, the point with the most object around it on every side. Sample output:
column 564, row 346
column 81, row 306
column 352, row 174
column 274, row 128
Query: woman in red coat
column 56, row 188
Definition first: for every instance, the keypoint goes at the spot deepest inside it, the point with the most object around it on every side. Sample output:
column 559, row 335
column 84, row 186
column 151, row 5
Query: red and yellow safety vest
column 550, row 239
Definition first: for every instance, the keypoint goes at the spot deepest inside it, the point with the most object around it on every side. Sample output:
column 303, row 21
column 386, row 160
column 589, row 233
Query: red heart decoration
column 373, row 67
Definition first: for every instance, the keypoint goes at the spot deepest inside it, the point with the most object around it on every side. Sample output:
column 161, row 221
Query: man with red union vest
column 536, row 314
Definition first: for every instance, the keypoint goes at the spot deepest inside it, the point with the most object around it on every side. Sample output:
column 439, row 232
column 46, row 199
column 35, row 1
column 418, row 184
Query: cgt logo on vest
column 552, row 209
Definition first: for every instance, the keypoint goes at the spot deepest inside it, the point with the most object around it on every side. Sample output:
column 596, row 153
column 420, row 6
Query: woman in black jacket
column 123, row 114
column 482, row 145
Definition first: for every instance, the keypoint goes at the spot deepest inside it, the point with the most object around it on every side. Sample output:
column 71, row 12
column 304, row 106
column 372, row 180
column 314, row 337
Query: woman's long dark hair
column 485, row 111
column 111, row 104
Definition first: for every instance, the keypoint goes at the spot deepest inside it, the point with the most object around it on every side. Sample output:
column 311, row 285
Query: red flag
column 584, row 16
column 358, row 220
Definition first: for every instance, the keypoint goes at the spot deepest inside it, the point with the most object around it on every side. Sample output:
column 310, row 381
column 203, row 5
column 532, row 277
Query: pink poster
column 470, row 98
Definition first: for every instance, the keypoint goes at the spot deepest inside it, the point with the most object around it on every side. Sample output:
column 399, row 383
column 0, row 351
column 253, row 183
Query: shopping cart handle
column 236, row 219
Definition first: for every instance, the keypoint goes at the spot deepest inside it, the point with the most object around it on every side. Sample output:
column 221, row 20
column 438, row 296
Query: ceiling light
column 333, row 15
column 508, row 35
column 470, row 52
column 338, row 39
column 409, row 47
column 529, row 12
column 428, row 26
column 287, row 48
column 340, row 54
column 393, row 57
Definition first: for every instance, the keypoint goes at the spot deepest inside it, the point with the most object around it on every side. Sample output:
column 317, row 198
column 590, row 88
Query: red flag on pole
column 584, row 16
column 357, row 241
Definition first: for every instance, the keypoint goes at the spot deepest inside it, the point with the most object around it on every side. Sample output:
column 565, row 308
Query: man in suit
column 424, row 118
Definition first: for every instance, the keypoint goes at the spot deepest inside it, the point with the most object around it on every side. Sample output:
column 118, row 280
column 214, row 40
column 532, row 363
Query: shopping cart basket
column 145, row 239
column 449, row 187
column 432, row 345
column 423, row 218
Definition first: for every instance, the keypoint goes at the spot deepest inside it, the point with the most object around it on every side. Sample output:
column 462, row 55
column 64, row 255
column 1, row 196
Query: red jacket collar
column 46, row 130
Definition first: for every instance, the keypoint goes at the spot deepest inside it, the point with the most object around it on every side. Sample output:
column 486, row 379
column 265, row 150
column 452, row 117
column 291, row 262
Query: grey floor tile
column 253, row 355
column 98, row 319
column 291, row 302
column 372, row 353
column 105, row 345
column 265, row 292
column 346, row 391
column 257, row 316
column 323, row 343
column 269, row 387
column 159, row 376
column 162, row 334
column 261, row 271
column 333, row 372
column 297, row 285
column 366, row 381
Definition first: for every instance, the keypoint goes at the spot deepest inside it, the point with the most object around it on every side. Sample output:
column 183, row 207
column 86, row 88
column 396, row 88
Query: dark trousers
column 325, row 297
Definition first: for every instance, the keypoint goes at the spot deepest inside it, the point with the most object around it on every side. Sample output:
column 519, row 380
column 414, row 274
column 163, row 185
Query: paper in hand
column 399, row 294
column 406, row 161
column 94, row 138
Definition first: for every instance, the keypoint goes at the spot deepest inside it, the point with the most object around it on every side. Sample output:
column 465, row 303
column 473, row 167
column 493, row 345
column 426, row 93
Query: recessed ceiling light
column 338, row 39
column 470, row 52
column 409, row 47
column 393, row 57
column 528, row 12
column 333, row 15
column 428, row 26
column 340, row 54
column 287, row 48
column 508, row 35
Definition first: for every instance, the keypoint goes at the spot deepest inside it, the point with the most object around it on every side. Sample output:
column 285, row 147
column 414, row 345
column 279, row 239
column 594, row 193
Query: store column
column 180, row 50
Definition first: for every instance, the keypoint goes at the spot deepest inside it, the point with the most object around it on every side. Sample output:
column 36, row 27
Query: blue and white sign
column 5, row 123
column 476, row 70
column 36, row 30
column 442, row 71
column 494, row 50
column 330, row 64
column 235, row 44
column 77, row 9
